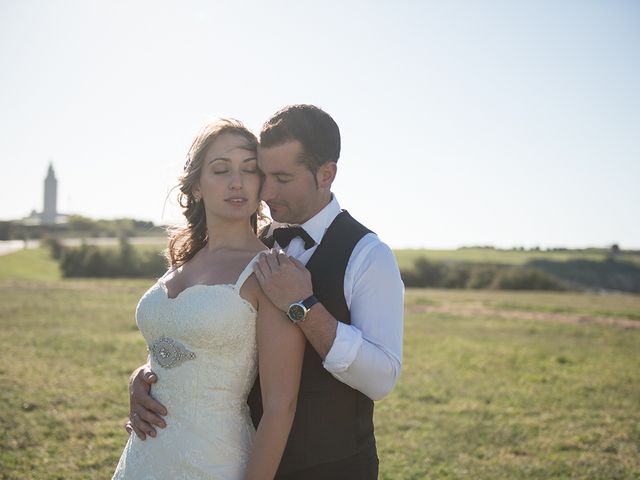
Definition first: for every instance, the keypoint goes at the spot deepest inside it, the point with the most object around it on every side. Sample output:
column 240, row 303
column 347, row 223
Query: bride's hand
column 144, row 411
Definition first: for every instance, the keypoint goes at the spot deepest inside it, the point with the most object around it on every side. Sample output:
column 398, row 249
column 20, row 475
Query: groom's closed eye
column 283, row 178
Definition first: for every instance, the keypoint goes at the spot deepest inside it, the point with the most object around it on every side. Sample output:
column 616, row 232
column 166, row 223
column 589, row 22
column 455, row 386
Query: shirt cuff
column 345, row 347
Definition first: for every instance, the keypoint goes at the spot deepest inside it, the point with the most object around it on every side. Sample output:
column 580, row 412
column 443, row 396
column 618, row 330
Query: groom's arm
column 365, row 355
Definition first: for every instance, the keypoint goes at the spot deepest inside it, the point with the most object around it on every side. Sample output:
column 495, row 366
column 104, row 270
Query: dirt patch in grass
column 482, row 310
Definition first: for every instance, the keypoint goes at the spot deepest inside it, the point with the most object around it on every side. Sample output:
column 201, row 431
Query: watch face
column 296, row 312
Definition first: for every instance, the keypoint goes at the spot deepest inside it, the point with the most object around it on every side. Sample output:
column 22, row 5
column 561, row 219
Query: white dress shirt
column 367, row 354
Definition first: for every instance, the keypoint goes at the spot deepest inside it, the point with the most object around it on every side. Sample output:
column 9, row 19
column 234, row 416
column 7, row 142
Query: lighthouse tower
column 50, row 210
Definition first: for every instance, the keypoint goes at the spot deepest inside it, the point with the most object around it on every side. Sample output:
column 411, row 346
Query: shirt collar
column 317, row 225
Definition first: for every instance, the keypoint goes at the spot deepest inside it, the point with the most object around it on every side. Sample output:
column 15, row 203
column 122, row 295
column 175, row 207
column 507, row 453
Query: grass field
column 407, row 257
column 494, row 385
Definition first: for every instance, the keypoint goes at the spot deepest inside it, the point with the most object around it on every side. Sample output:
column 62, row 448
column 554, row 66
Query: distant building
column 50, row 207
column 50, row 214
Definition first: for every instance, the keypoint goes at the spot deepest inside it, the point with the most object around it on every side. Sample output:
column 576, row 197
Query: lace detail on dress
column 209, row 431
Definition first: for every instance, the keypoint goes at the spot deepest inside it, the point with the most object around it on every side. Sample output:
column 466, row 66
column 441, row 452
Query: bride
column 210, row 329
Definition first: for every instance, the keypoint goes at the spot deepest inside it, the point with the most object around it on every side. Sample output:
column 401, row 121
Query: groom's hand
column 144, row 411
column 283, row 279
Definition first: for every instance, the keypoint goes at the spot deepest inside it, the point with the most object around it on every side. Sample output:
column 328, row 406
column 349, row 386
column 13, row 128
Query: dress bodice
column 215, row 324
column 202, row 346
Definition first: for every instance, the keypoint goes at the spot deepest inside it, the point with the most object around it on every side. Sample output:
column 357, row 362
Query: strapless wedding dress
column 202, row 345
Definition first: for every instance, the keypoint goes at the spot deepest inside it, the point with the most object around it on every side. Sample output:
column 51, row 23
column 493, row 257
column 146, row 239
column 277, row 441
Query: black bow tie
column 284, row 235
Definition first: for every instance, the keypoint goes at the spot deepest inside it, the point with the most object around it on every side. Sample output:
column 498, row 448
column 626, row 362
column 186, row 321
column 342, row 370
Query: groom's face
column 289, row 188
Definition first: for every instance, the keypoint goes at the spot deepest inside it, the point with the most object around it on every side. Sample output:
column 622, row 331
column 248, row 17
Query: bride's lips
column 236, row 200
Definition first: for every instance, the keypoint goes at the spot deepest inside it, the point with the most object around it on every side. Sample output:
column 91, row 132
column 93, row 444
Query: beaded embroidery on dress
column 202, row 345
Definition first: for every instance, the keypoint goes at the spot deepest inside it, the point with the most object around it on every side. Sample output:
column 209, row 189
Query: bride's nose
column 235, row 183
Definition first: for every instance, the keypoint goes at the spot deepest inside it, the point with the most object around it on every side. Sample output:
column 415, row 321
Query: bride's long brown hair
column 184, row 242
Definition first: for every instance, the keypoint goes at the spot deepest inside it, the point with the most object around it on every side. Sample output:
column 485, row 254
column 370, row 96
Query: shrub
column 54, row 245
column 125, row 261
column 522, row 278
column 456, row 275
column 72, row 261
column 473, row 275
column 482, row 275
column 429, row 274
column 410, row 278
column 608, row 275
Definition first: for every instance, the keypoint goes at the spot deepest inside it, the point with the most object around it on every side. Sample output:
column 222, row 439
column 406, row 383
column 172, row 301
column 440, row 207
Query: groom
column 339, row 284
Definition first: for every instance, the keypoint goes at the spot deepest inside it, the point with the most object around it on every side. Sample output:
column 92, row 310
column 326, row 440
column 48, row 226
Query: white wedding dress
column 202, row 345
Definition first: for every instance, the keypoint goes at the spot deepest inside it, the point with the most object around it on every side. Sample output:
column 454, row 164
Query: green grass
column 407, row 257
column 479, row 397
column 512, row 399
column 589, row 304
column 29, row 265
column 67, row 349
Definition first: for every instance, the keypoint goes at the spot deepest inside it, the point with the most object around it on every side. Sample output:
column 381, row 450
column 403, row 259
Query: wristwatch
column 297, row 312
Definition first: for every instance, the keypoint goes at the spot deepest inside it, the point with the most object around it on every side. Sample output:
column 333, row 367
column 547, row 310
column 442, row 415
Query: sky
column 505, row 123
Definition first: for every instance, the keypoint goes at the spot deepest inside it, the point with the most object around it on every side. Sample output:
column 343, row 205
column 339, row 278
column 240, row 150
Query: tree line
column 537, row 274
column 125, row 261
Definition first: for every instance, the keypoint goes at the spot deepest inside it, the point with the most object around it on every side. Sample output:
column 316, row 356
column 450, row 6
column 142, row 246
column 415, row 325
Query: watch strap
column 309, row 302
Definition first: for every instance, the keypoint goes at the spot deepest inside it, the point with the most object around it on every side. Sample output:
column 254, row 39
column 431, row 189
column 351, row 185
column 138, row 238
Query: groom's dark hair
column 314, row 128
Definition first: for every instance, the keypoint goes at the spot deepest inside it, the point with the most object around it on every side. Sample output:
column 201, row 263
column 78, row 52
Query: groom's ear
column 326, row 174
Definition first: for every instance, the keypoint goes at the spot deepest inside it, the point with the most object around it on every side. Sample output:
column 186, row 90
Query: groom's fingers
column 272, row 261
column 152, row 405
column 286, row 260
column 149, row 410
column 297, row 263
column 141, row 400
column 263, row 263
column 283, row 258
column 301, row 267
column 131, row 429
column 257, row 269
column 149, row 377
column 150, row 419
column 130, row 425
